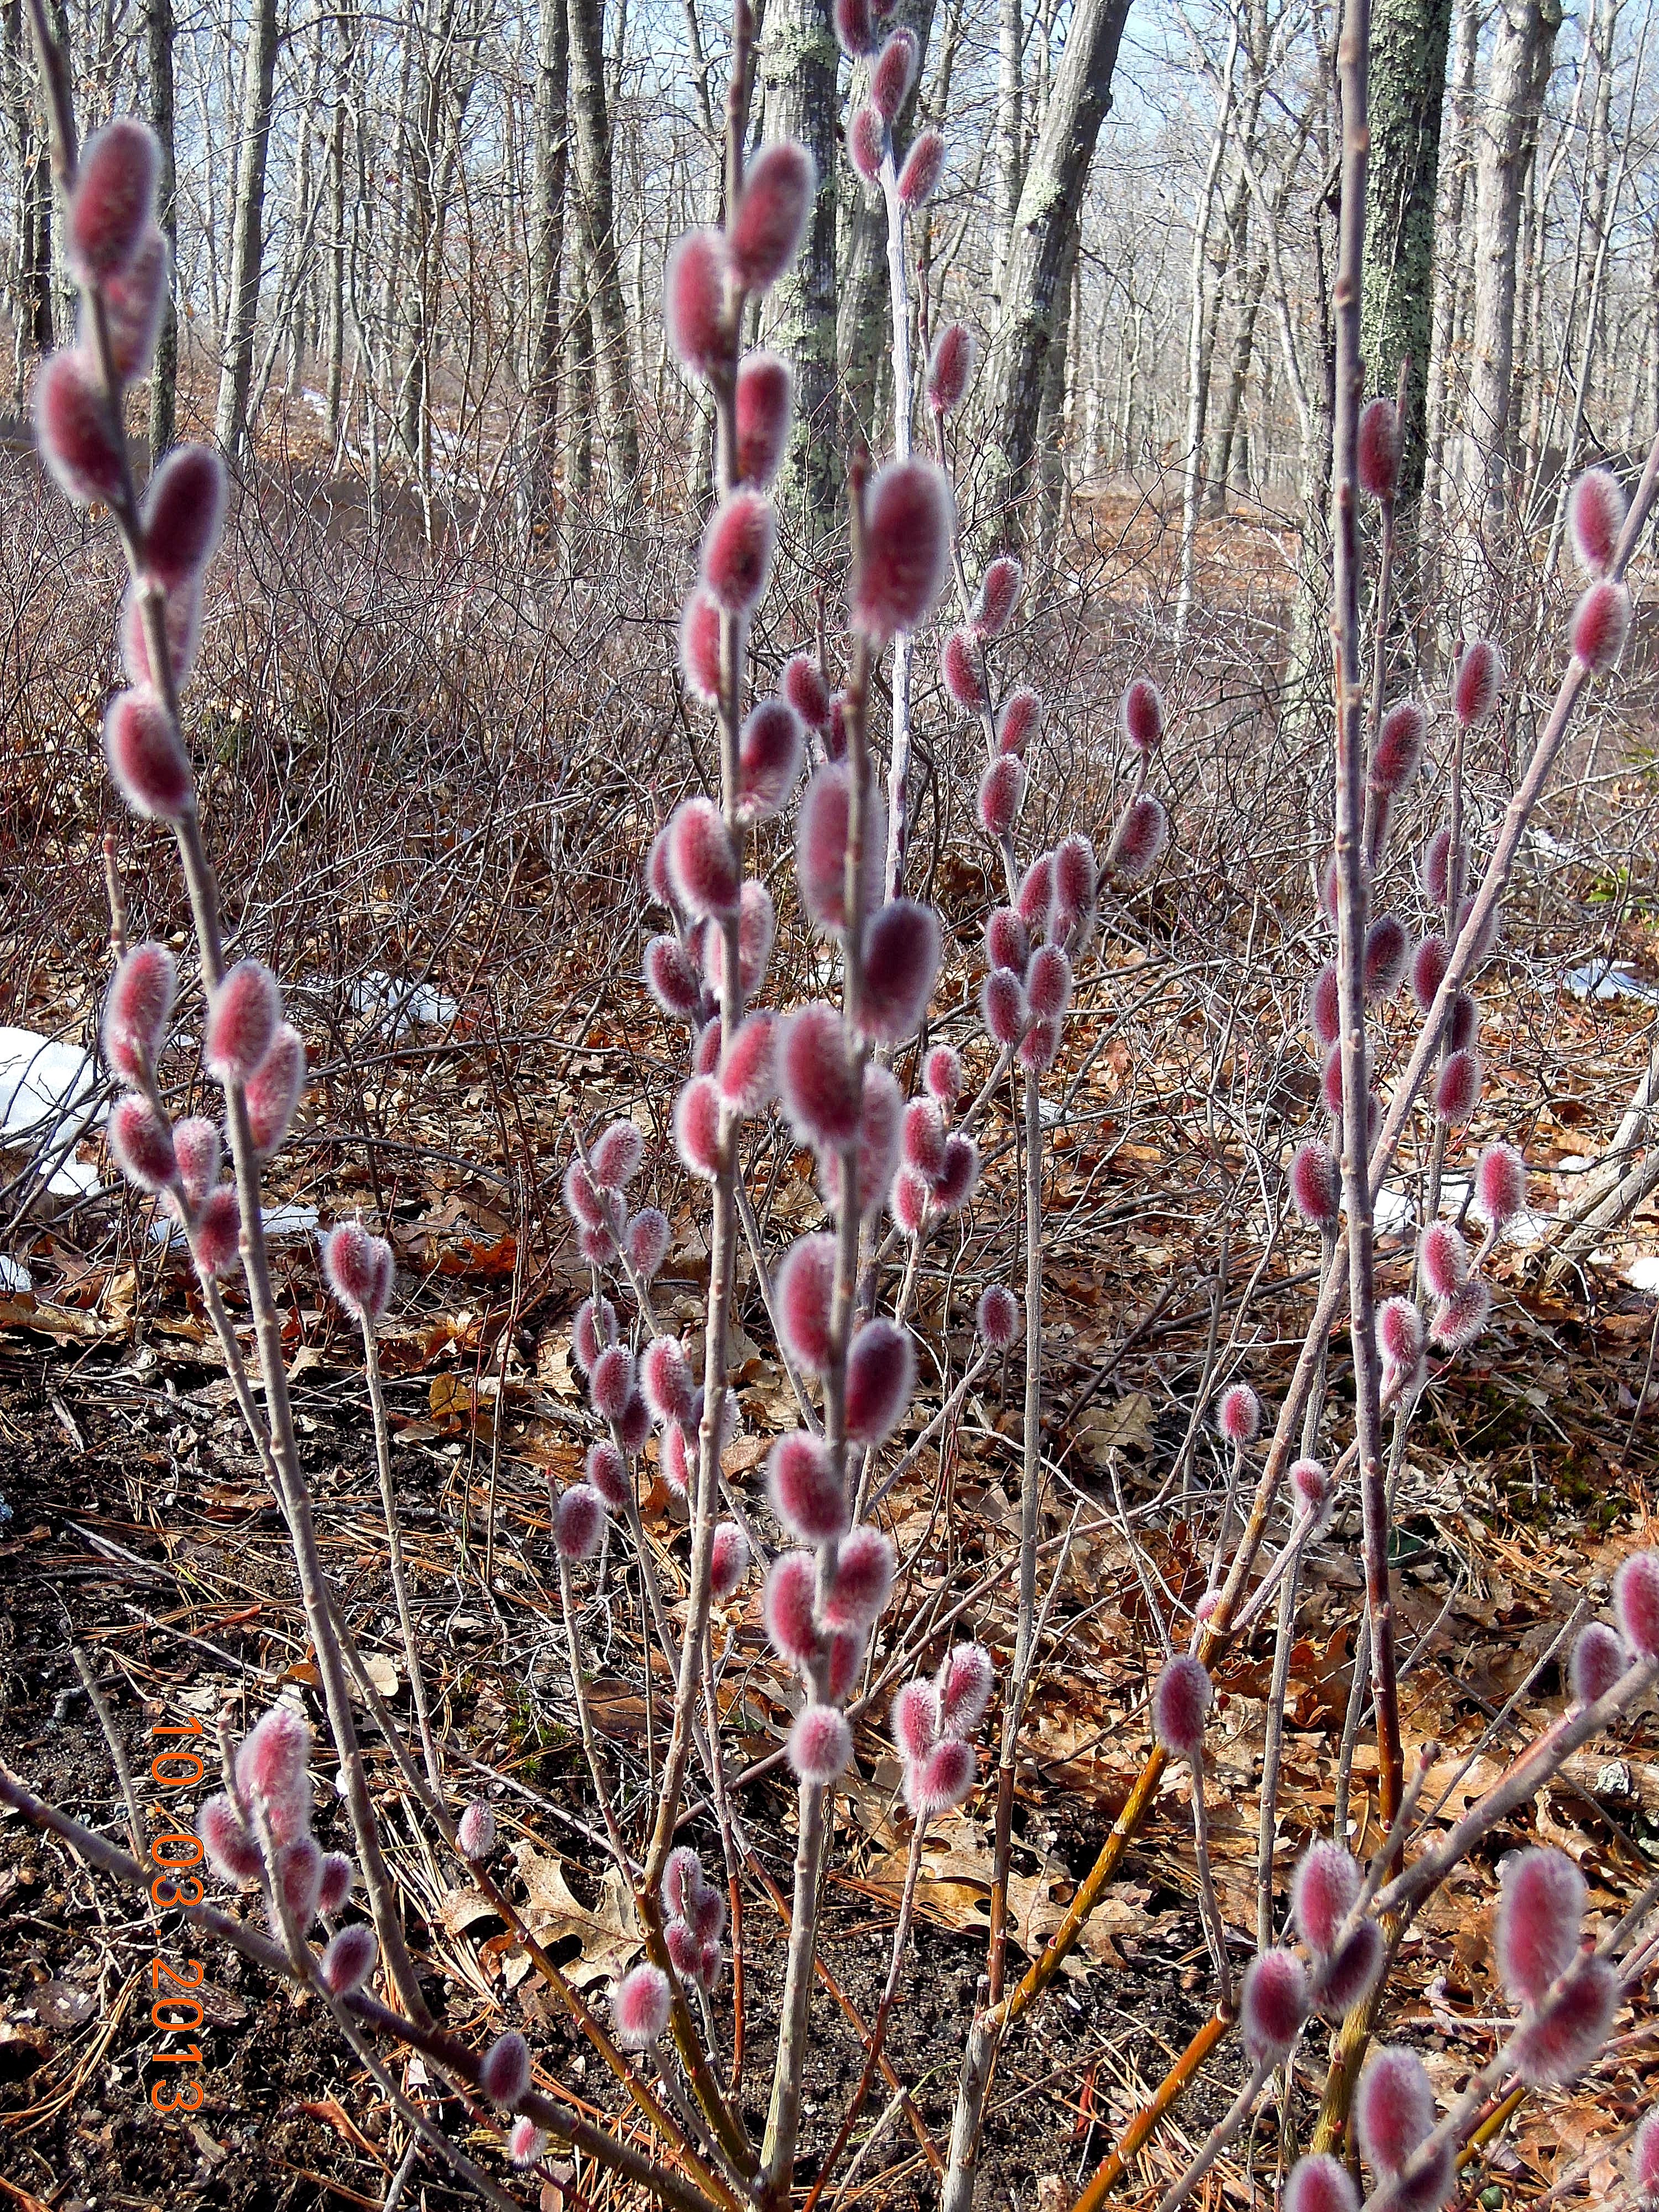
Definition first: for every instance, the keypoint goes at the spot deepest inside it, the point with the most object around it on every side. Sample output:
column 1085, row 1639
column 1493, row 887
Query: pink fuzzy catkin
column 1003, row 1007
column 593, row 1330
column 950, row 368
column 334, row 1888
column 1429, row 964
column 233, row 1853
column 997, row 1317
column 1341, row 1981
column 881, row 1373
column 802, row 1291
column 728, row 1561
column 1312, row 1487
column 271, row 1767
column 1272, row 2006
column 133, row 299
column 900, row 959
column 1039, row 1047
column 1635, row 1603
column 698, row 1128
column 893, row 73
column 184, row 508
column 700, row 646
column 819, row 1083
column 1048, row 983
column 1540, row 1913
column 525, row 2141
column 1436, row 867
column 579, row 1524
column 1458, row 1090
column 964, row 1689
column 504, row 2076
column 747, row 1072
column 1399, row 752
column 1393, row 2108
column 703, row 865
column 216, row 1239
column 1462, row 1023
column 958, row 1173
column 142, row 1143
column 863, row 1580
column 736, row 550
column 910, row 1201
column 605, row 1470
column 1644, row 2162
column 352, row 1269
column 1238, row 1416
column 1377, row 449
column 909, row 518
column 867, row 143
column 114, row 193
column 942, row 1779
column 769, row 752
column 1601, row 623
column 617, row 1155
column 72, row 427
column 475, row 1832
column 646, row 1242
column 1598, row 1658
column 788, row 1606
column 1565, row 2035
column 915, row 1719
column 349, row 1960
column 942, row 1074
column 856, row 27
column 806, row 1492
column 1387, row 949
column 1596, row 516
column 1139, row 841
column 1002, row 793
column 1077, row 886
column 820, row 1745
column 665, row 1380
column 137, row 1010
column 147, row 762
column 1316, row 1184
column 1460, row 1319
column 805, row 690
column 242, row 1016
column 999, row 588
column 878, row 1145
column 921, row 1138
column 764, row 402
column 1141, row 716
column 671, row 978
column 1006, row 942
column 924, row 165
column 1018, row 722
column 1400, row 1334
column 763, row 232
column 821, row 832
column 963, row 672
column 1500, row 1184
column 611, row 1382
column 1480, row 678
column 1323, row 1892
column 1180, row 1703
column 275, row 1090
column 1325, row 1006
column 1320, row 2183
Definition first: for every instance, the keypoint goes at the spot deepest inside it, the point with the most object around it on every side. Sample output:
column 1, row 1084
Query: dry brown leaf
column 609, row 1934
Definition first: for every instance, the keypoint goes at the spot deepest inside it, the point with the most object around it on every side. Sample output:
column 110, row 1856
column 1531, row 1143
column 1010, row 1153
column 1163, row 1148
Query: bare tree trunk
column 799, row 62
column 602, row 267
column 1449, row 281
column 1523, row 51
column 1011, row 134
column 1201, row 342
column 337, row 258
column 552, row 125
column 32, row 303
column 1033, row 297
column 247, row 230
column 164, row 377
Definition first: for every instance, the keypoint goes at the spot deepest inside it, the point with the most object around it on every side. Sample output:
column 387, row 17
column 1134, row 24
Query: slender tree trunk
column 798, row 63
column 1452, row 260
column 164, row 378
column 602, row 268
column 336, row 256
column 551, row 127
column 1409, row 40
column 1523, row 51
column 1011, row 133
column 1034, row 294
column 247, row 230
column 1201, row 342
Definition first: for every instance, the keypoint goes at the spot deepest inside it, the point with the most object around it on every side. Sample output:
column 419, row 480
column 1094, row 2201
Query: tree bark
column 1011, row 133
column 164, row 377
column 1450, row 282
column 1409, row 41
column 1522, row 52
column 798, row 65
column 1051, row 198
column 248, row 231
column 602, row 266
column 551, row 154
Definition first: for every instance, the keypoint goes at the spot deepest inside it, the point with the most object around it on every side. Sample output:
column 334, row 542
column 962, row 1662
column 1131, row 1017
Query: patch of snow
column 392, row 1005
column 1600, row 980
column 13, row 1275
column 1643, row 1273
column 48, row 1101
column 282, row 1222
column 1395, row 1214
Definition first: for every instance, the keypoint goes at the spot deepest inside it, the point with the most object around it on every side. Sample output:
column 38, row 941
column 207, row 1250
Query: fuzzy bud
column 1399, row 752
column 1535, row 1936
column 617, row 1155
column 954, row 1185
column 922, row 1137
column 1007, row 943
column 1003, row 1007
column 1312, row 1488
column 934, row 1784
column 1500, row 1184
column 1436, row 867
column 910, row 1201
column 147, row 759
column 769, row 753
column 1462, row 1023
column 867, row 143
column 1377, row 449
column 700, row 646
column 900, row 959
column 184, row 509
column 594, row 1330
column 1272, row 2006
column 142, row 1143
column 820, row 1086
column 999, row 588
column 679, row 1459
column 881, row 1373
column 1180, row 1701
column 300, row 1879
column 1459, row 1319
column 1429, row 964
column 1039, row 1047
column 942, row 1074
column 863, row 1577
column 1349, row 1975
column 646, row 1242
column 963, row 672
column 908, row 516
column 1238, row 1417
column 349, row 1960
column 736, row 550
column 1480, row 678
column 1598, row 1658
column 1035, row 900
column 1048, row 983
column 1323, row 1892
column 893, row 73
column 606, row 1471
column 114, row 194
column 855, row 28
column 802, row 1291
column 1458, row 1090
column 1393, row 2108
column 915, row 1719
column 1596, row 515
column 1139, row 841
column 763, row 232
column 671, row 978
column 525, row 2141
column 1325, row 1006
column 693, row 301
column 807, row 1495
column 270, row 1767
column 242, row 1016
column 729, row 1562
column 787, row 1608
column 275, row 1089
column 1141, row 716
column 1002, row 793
column 72, row 424
column 665, row 1380
column 1387, row 949
column 747, row 1081
column 1077, row 883
column 216, row 1239
column 1552, row 2049
column 1635, row 1603
column 820, row 1745
column 804, row 689
column 355, row 1272
column 702, row 866
column 821, row 829
column 698, row 1128
column 924, row 165
column 997, row 1317
column 504, row 2076
column 765, row 409
column 1320, row 2184
column 1018, row 722
column 1600, row 624
column 475, row 1832
column 335, row 1886
column 877, row 1149
column 1644, row 2162
column 964, row 1689
column 950, row 368
column 233, row 1853
column 682, row 1882
column 1400, row 1335
column 137, row 1012
column 1316, row 1184
column 579, row 1524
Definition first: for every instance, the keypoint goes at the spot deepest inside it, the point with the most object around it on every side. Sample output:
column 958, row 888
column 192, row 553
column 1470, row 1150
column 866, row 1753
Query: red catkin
column 729, row 1561
column 1019, row 721
column 184, row 511
column 147, row 762
column 1598, row 1658
column 700, row 646
column 703, row 865
column 786, row 1607
column 242, row 1016
column 802, row 1291
column 1141, row 715
column 1600, row 624
column 698, row 1128
column 1139, row 841
column 821, row 830
column 804, row 689
column 915, row 1719
column 1429, row 964
column 900, row 959
column 1458, row 1090
column 275, row 1089
column 820, row 1088
column 933, row 1785
column 961, row 671
column 881, row 1373
column 1316, row 1184
column 1480, row 678
column 820, row 1746
column 137, row 1010
column 114, row 193
column 924, row 165
column 867, row 143
column 856, row 27
column 1393, row 2108
column 1320, row 2183
column 504, row 2076
column 1180, row 1704
column 349, row 1960
column 142, row 1143
column 1001, row 793
column 1272, row 2006
column 1635, row 1602
column 863, row 1583
column 1377, row 449
column 1399, row 752
column 133, row 299
column 1540, row 1913
column 806, row 1491
column 951, row 367
column 764, row 231
column 893, row 73
column 1323, row 1892
column 1500, row 1184
column 73, row 425
column 736, row 550
column 770, row 751
column 693, row 301
column 765, row 409
column 1238, row 1416
column 1596, row 515
column 908, row 522
column 954, row 1185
